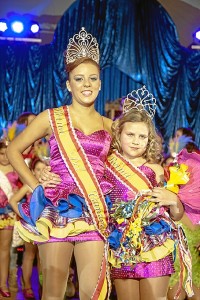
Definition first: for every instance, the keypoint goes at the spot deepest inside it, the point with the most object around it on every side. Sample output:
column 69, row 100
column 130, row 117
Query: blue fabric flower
column 108, row 202
column 157, row 228
column 114, row 239
column 72, row 207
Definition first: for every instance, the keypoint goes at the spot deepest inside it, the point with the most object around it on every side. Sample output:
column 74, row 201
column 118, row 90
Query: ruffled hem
column 73, row 207
column 154, row 254
column 41, row 220
column 45, row 229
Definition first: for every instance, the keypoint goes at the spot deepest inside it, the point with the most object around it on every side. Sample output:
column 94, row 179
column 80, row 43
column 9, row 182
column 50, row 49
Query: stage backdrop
column 138, row 45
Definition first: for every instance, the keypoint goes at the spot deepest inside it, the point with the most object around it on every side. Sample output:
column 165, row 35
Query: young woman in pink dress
column 73, row 216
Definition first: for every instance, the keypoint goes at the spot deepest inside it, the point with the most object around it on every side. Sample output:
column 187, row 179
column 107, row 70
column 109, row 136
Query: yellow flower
column 178, row 175
column 120, row 220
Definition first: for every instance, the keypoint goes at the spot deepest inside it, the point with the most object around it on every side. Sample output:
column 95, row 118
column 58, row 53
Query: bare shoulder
column 108, row 123
column 44, row 115
column 38, row 128
column 157, row 168
column 42, row 120
column 159, row 171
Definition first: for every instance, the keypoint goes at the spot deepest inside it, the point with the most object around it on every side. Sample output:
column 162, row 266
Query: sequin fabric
column 158, row 268
column 96, row 147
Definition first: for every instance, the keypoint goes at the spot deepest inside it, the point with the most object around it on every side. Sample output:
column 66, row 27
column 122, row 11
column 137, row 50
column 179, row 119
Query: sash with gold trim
column 136, row 181
column 131, row 176
column 80, row 169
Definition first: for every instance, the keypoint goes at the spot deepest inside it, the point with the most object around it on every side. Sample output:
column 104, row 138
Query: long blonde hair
column 153, row 150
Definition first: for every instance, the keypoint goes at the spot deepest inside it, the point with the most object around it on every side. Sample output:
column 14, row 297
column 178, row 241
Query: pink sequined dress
column 6, row 212
column 64, row 215
column 155, row 268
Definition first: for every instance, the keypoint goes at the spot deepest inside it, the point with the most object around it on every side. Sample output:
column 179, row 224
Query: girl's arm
column 164, row 197
column 17, row 197
column 38, row 128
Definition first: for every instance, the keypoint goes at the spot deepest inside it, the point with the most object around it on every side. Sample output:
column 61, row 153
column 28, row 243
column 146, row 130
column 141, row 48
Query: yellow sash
column 79, row 167
column 131, row 176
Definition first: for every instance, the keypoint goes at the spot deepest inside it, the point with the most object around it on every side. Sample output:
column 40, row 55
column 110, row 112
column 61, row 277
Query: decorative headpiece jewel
column 141, row 100
column 82, row 44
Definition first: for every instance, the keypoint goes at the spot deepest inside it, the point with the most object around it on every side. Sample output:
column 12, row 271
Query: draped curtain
column 138, row 46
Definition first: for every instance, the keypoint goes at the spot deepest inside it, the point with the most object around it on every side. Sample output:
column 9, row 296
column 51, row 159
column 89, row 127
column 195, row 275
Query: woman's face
column 84, row 83
column 134, row 139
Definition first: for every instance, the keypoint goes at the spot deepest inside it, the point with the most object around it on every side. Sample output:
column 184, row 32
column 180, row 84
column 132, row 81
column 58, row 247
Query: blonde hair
column 153, row 150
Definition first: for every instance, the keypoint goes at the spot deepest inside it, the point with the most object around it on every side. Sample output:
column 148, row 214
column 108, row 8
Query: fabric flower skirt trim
column 7, row 223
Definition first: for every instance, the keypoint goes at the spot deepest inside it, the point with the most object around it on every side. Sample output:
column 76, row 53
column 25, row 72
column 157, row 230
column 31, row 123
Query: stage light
column 17, row 26
column 3, row 25
column 197, row 34
column 196, row 40
column 35, row 28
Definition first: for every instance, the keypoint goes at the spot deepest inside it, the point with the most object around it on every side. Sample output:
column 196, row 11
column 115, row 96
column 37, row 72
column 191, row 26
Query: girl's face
column 84, row 83
column 3, row 157
column 38, row 169
column 134, row 139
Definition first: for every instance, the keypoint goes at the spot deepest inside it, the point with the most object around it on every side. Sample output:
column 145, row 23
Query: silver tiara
column 142, row 100
column 82, row 44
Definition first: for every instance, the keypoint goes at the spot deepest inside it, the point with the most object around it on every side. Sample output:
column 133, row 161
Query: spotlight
column 3, row 25
column 196, row 40
column 35, row 27
column 197, row 34
column 17, row 26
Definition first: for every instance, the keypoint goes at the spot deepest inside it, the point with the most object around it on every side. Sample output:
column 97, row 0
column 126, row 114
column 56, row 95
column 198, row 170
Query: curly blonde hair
column 153, row 151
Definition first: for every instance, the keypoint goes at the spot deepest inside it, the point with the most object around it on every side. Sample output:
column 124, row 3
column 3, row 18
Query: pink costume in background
column 6, row 212
column 189, row 193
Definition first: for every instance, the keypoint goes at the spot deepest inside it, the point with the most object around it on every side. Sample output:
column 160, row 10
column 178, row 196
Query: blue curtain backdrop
column 138, row 45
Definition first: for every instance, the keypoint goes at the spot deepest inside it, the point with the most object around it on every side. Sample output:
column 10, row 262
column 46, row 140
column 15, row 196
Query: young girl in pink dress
column 143, row 234
column 8, row 185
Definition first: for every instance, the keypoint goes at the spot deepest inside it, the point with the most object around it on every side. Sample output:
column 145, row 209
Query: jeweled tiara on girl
column 82, row 44
column 141, row 100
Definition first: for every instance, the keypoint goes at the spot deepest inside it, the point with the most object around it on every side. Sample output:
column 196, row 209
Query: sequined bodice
column 120, row 191
column 96, row 147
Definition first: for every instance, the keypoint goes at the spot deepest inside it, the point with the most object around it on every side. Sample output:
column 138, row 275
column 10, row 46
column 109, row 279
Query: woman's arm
column 17, row 197
column 38, row 128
